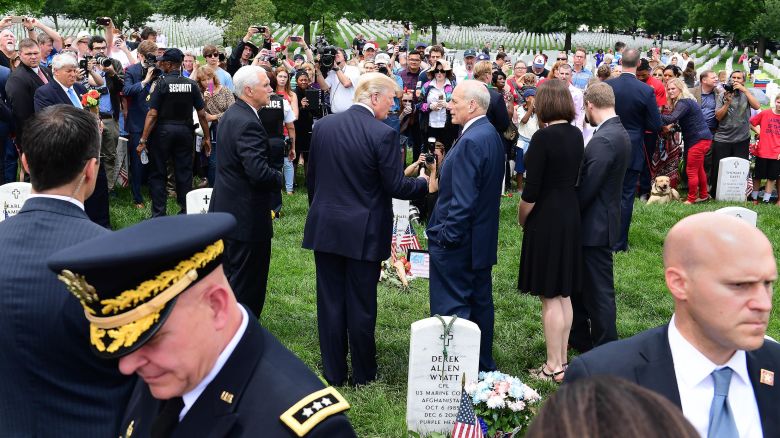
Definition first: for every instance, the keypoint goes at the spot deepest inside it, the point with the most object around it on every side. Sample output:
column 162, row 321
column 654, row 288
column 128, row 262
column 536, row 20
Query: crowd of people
column 182, row 313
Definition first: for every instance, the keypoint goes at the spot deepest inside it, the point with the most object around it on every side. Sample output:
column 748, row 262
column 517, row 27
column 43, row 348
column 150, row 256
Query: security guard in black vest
column 171, row 100
column 275, row 117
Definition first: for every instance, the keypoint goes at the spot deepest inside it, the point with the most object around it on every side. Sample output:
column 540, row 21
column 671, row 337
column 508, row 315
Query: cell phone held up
column 260, row 29
column 295, row 39
column 103, row 21
column 16, row 19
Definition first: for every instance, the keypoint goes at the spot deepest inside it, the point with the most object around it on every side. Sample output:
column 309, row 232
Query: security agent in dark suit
column 601, row 174
column 244, row 186
column 169, row 130
column 635, row 105
column 463, row 229
column 715, row 340
column 52, row 384
column 63, row 88
column 354, row 172
column 20, row 89
column 207, row 367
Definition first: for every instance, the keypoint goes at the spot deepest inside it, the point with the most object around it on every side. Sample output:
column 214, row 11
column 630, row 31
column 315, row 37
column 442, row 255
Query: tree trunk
column 307, row 31
column 567, row 43
column 761, row 46
column 695, row 34
column 433, row 34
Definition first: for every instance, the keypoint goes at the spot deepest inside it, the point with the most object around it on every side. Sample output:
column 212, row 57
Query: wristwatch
column 142, row 141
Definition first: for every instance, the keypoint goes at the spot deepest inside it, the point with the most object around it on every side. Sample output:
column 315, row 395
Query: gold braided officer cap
column 128, row 281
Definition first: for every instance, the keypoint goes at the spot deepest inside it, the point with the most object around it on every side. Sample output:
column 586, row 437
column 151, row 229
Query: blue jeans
column 137, row 171
column 289, row 174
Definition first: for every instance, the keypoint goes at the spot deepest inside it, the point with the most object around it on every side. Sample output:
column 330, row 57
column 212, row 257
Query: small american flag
column 466, row 424
column 407, row 241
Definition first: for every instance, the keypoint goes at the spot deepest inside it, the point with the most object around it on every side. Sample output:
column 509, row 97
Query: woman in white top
column 433, row 100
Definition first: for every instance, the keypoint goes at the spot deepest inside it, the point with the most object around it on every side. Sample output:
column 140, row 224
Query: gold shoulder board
column 313, row 409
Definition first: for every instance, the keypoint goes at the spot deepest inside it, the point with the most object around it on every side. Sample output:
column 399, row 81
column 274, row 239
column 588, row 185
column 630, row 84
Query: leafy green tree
column 305, row 12
column 555, row 16
column 432, row 13
column 247, row 13
column 767, row 25
column 663, row 16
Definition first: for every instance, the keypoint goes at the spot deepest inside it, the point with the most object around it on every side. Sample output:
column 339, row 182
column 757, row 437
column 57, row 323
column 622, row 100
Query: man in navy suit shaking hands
column 463, row 229
column 354, row 172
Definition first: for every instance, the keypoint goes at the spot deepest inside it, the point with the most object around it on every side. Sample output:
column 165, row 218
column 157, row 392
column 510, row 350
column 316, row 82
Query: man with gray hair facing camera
column 463, row 229
column 354, row 172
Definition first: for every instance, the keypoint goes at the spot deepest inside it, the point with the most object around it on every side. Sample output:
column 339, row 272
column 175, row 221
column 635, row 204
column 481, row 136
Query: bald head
column 695, row 239
column 721, row 272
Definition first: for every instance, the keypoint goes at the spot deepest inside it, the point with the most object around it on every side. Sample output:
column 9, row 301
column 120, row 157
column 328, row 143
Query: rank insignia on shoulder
column 313, row 409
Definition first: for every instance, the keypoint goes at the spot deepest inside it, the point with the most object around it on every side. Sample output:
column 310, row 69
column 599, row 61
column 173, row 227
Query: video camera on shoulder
column 327, row 59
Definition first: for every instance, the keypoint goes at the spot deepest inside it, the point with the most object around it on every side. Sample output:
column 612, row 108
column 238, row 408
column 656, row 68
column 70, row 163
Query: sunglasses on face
column 561, row 59
column 439, row 71
column 67, row 45
column 212, row 55
column 406, row 101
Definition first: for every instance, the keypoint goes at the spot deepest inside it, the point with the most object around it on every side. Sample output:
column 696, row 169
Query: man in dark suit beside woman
column 463, row 227
column 601, row 174
column 636, row 106
column 712, row 359
column 52, row 384
column 244, row 186
column 354, row 172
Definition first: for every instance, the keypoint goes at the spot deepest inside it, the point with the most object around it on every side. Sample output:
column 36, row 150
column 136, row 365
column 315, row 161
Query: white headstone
column 743, row 213
column 732, row 179
column 198, row 201
column 12, row 197
column 400, row 218
column 434, row 384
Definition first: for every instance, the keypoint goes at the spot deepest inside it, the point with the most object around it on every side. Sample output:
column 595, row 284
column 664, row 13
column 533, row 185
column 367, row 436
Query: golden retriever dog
column 662, row 191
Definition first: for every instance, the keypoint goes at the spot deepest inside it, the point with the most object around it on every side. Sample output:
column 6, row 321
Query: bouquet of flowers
column 90, row 100
column 503, row 403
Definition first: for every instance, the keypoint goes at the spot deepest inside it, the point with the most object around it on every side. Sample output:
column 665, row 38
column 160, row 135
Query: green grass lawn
column 378, row 410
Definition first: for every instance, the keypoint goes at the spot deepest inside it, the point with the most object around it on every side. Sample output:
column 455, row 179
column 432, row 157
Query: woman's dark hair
column 609, row 407
column 554, row 102
column 447, row 73
column 57, row 142
column 675, row 70
column 498, row 74
column 690, row 70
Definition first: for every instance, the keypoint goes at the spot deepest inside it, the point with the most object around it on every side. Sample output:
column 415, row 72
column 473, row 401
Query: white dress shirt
column 696, row 385
column 191, row 397
column 579, row 113
column 469, row 123
column 366, row 107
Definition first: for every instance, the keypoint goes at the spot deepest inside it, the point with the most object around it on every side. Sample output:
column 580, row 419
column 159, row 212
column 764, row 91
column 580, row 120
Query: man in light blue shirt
column 580, row 74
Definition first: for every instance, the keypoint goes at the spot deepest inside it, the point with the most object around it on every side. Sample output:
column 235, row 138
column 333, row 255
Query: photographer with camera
column 427, row 163
column 732, row 139
column 340, row 80
column 116, row 47
column 244, row 51
column 138, row 82
column 109, row 105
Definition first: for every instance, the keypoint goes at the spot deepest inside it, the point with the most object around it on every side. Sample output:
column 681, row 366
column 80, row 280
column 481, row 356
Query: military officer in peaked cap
column 169, row 315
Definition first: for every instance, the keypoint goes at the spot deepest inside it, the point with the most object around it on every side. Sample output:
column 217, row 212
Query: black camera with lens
column 149, row 63
column 105, row 61
column 383, row 69
column 327, row 59
column 675, row 129
column 430, row 156
column 84, row 63
column 320, row 43
column 729, row 87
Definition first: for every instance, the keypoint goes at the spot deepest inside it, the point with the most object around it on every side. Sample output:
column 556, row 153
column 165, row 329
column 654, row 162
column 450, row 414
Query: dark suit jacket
column 636, row 106
column 354, row 172
column 497, row 113
column 263, row 377
column 601, row 183
column 244, row 181
column 52, row 384
column 136, row 98
column 467, row 209
column 646, row 359
column 53, row 94
column 20, row 90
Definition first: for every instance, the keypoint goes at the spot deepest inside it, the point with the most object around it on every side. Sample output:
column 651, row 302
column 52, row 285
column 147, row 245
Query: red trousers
column 694, row 168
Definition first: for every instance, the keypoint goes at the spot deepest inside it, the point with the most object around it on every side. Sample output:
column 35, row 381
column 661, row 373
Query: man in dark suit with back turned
column 711, row 359
column 354, row 172
column 63, row 88
column 244, row 186
column 463, row 229
column 635, row 105
column 52, row 384
column 603, row 167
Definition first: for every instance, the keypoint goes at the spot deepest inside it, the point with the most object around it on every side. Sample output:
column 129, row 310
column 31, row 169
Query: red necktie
column 42, row 76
